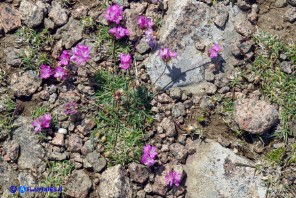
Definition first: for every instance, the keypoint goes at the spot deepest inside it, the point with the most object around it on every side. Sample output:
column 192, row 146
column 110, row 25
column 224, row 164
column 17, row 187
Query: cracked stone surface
column 212, row 172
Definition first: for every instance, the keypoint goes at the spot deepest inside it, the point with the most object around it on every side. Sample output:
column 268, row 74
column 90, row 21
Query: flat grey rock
column 212, row 172
column 189, row 24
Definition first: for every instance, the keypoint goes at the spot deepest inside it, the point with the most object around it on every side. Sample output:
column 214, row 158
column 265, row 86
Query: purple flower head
column 214, row 51
column 42, row 122
column 80, row 54
column 149, row 154
column 119, row 32
column 150, row 38
column 114, row 13
column 145, row 22
column 173, row 178
column 70, row 108
column 45, row 71
column 125, row 61
column 60, row 73
column 166, row 54
column 64, row 58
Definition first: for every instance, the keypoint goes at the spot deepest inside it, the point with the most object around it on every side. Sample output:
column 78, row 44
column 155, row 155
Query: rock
column 209, row 75
column 179, row 152
column 131, row 16
column 114, row 183
column 187, row 23
column 75, row 143
column 97, row 162
column 280, row 3
column 31, row 152
column 203, row 88
column 78, row 185
column 206, row 103
column 176, row 93
column 70, row 33
column 9, row 17
column 164, row 98
column 58, row 139
column 244, row 5
column 211, row 172
column 291, row 15
column 79, row 12
column 62, row 131
column 86, row 126
column 24, row 83
column 58, row 14
column 9, row 177
column 13, row 56
column 31, row 14
column 255, row 116
column 142, row 47
column 26, row 179
column 286, row 67
column 246, row 46
column 244, row 28
column 88, row 147
column 169, row 127
column 292, row 2
column 56, row 156
column 220, row 17
column 49, row 24
column 178, row 110
column 69, row 96
column 138, row 172
column 12, row 149
column 145, row 77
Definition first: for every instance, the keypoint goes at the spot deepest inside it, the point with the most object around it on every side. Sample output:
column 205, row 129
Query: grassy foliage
column 122, row 117
column 278, row 86
column 56, row 174
column 7, row 106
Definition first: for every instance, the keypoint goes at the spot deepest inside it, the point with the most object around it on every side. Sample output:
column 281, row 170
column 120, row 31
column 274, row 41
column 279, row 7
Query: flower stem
column 166, row 64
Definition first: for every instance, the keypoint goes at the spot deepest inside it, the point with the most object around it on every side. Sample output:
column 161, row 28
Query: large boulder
column 255, row 116
column 213, row 172
column 114, row 183
column 190, row 28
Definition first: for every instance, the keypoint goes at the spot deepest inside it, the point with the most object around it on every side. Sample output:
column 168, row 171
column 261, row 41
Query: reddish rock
column 9, row 17
column 75, row 143
column 58, row 139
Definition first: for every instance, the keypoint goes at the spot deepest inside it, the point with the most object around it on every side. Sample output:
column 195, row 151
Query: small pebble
column 62, row 131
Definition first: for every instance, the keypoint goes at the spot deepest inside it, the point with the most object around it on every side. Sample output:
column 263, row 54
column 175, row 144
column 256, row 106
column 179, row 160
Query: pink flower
column 41, row 122
column 166, row 54
column 119, row 32
column 70, row 108
column 150, row 38
column 173, row 178
column 214, row 51
column 60, row 73
column 64, row 58
column 149, row 154
column 114, row 13
column 144, row 22
column 80, row 54
column 45, row 71
column 125, row 61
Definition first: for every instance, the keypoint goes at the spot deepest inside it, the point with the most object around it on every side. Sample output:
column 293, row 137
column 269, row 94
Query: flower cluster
column 41, row 122
column 114, row 13
column 214, row 51
column 119, row 32
column 125, row 61
column 80, row 54
column 173, row 178
column 166, row 54
column 149, row 154
column 145, row 23
column 70, row 108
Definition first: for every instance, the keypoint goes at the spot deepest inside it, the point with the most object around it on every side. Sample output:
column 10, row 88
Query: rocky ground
column 227, row 125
